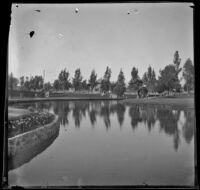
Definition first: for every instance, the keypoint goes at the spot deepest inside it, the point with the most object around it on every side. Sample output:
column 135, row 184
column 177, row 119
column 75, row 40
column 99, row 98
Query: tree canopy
column 168, row 78
column 63, row 80
column 77, row 80
column 47, row 86
column 105, row 83
column 177, row 61
column 12, row 81
column 120, row 87
column 36, row 82
column 188, row 75
column 135, row 83
column 149, row 79
column 93, row 80
column 56, row 84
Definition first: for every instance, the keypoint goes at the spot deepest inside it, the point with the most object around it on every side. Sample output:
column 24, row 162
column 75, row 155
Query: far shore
column 180, row 102
column 24, row 100
column 173, row 102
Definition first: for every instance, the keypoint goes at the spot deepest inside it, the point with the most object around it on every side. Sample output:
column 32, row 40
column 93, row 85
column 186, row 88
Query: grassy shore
column 24, row 100
column 173, row 102
column 16, row 112
column 179, row 101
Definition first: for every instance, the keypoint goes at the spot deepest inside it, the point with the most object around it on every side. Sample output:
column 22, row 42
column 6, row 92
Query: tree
column 56, row 84
column 77, row 80
column 93, row 80
column 134, row 73
column 159, row 86
column 85, row 85
column 22, row 82
column 112, row 86
column 177, row 61
column 105, row 83
column 188, row 75
column 47, row 86
column 12, row 81
column 63, row 79
column 27, row 84
column 36, row 83
column 31, row 83
column 168, row 78
column 149, row 79
column 120, row 87
column 135, row 83
column 145, row 78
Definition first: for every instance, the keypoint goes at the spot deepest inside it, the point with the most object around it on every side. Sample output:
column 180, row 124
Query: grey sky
column 99, row 35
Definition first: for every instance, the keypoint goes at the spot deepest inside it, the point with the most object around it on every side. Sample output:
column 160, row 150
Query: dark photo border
column 6, row 18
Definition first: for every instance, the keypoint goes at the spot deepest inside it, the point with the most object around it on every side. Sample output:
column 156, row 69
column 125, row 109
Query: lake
column 108, row 143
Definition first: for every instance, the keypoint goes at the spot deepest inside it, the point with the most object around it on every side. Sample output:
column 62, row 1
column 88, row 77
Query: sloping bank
column 184, row 103
column 23, row 147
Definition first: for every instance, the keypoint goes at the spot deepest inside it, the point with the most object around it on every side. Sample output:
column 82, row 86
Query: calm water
column 107, row 143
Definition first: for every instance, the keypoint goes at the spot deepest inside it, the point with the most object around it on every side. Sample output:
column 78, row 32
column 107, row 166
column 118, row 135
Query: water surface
column 108, row 143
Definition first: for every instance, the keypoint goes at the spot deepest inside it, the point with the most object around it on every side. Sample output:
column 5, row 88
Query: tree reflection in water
column 168, row 120
column 149, row 115
column 169, row 124
column 120, row 110
column 77, row 115
column 94, row 109
column 134, row 113
column 43, row 106
column 105, row 113
column 92, row 115
column 188, row 126
column 62, row 110
column 79, row 111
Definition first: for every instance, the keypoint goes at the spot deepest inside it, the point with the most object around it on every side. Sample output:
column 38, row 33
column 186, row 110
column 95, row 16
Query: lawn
column 177, row 102
column 16, row 112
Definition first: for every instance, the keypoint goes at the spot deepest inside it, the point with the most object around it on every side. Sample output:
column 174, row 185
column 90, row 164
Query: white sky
column 99, row 35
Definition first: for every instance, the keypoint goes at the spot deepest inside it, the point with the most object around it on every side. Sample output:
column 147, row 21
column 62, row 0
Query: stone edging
column 38, row 128
column 25, row 141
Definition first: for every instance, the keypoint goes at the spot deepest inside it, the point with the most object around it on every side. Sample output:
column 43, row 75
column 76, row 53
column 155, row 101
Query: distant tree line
column 168, row 80
column 26, row 83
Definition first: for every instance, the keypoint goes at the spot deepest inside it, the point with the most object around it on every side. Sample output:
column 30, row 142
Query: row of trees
column 34, row 83
column 168, row 80
column 63, row 82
